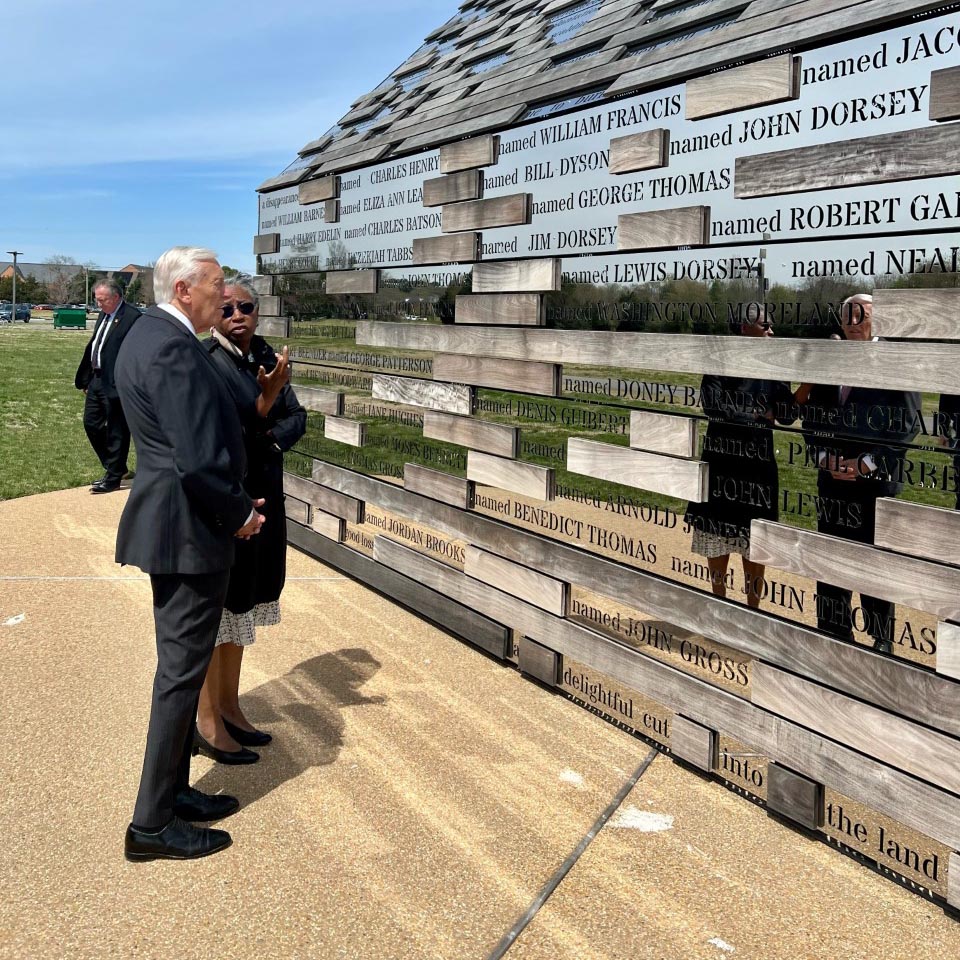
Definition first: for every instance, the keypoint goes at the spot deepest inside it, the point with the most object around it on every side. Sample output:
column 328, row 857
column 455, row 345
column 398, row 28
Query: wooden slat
column 663, row 433
column 353, row 281
column 525, row 479
column 794, row 796
column 742, row 88
column 537, row 588
column 686, row 479
column 856, row 566
column 321, row 400
column 266, row 243
column 681, row 226
column 343, row 430
column 517, row 276
column 337, row 503
column 319, row 190
column 945, row 94
column 456, row 248
column 536, row 660
column 449, row 397
column 438, row 485
column 948, row 649
column 918, row 530
column 454, row 188
column 508, row 211
column 925, row 313
column 929, row 367
column 693, row 742
column 296, row 510
column 901, row 743
column 302, row 488
column 331, row 211
column 500, row 439
column 274, row 327
column 270, row 306
column 953, row 881
column 519, row 375
column 263, row 285
column 329, row 526
column 884, row 158
column 505, row 309
column 483, row 151
column 353, row 157
column 649, row 150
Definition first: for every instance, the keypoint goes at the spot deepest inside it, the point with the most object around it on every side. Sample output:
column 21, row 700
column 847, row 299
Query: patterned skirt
column 241, row 628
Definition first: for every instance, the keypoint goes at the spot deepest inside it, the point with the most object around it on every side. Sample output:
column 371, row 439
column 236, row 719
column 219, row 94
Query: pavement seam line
column 551, row 885
column 145, row 579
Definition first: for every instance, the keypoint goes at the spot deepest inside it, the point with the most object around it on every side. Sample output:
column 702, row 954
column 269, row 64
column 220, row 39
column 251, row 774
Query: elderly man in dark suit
column 186, row 507
column 103, row 417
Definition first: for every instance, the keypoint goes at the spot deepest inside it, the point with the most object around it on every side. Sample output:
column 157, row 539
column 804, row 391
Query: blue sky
column 137, row 127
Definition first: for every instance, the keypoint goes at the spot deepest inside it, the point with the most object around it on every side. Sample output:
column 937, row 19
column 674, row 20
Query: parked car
column 6, row 312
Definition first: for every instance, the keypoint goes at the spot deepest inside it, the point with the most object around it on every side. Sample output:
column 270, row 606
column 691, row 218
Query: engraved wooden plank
column 930, row 314
column 686, row 479
column 331, row 211
column 500, row 439
column 663, row 433
column 438, row 485
column 517, row 276
column 918, row 530
column 875, row 732
column 929, row 367
column 449, row 397
column 270, row 306
column 337, row 503
column 329, row 526
column 453, row 188
column 483, row 151
column 273, row 327
column 454, row 248
column 681, row 226
column 948, row 649
column 693, row 742
column 538, row 661
column 266, row 243
column 945, row 94
column 953, row 881
column 649, row 150
column 857, row 566
column 753, row 85
column 884, row 158
column 447, row 614
column 505, row 211
column 542, row 591
column 321, row 400
column 316, row 191
column 526, row 479
column 343, row 430
column 353, row 281
column 507, row 309
column 519, row 375
column 894, row 684
column 296, row 510
column 794, row 796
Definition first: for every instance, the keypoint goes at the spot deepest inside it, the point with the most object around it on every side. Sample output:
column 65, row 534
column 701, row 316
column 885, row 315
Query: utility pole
column 14, row 254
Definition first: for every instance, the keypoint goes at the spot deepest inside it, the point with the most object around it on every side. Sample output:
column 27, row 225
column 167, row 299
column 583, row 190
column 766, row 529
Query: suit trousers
column 186, row 612
column 107, row 429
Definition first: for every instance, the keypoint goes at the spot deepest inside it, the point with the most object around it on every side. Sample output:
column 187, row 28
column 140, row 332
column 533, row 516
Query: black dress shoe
column 176, row 841
column 243, row 755
column 105, row 486
column 247, row 738
column 191, row 804
column 98, row 481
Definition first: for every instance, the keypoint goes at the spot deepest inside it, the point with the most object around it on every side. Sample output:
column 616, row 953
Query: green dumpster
column 67, row 317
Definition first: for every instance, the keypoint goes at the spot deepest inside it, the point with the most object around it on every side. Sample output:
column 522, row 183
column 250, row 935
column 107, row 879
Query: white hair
column 178, row 263
column 859, row 298
column 244, row 282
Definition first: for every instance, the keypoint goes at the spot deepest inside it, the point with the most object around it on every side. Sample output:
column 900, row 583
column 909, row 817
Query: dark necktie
column 101, row 335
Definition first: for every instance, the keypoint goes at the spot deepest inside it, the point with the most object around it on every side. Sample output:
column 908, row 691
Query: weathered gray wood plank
column 794, row 796
column 353, row 281
column 262, row 285
column 449, row 397
column 500, row 439
column 681, row 226
column 948, row 649
column 351, row 432
column 517, row 276
column 693, row 742
column 945, row 94
column 537, row 588
column 483, row 151
column 686, row 479
column 526, row 479
column 953, row 881
column 924, row 313
column 520, row 375
column 438, row 485
column 453, row 188
column 319, row 190
column 918, row 530
column 539, row 661
column 274, row 327
column 270, row 306
column 331, row 211
column 296, row 510
column 328, row 500
column 507, row 211
column 648, row 150
column 505, row 309
column 742, row 88
column 663, row 433
column 327, row 525
column 321, row 400
column 266, row 243
column 453, row 248
column 856, row 566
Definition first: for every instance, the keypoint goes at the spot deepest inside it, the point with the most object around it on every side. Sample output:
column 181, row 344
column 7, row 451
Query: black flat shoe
column 243, row 755
column 176, row 841
column 247, row 738
column 193, row 805
column 105, row 486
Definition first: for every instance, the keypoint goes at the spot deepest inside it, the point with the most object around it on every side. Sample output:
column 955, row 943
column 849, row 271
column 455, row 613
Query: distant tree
column 60, row 276
column 28, row 290
column 134, row 293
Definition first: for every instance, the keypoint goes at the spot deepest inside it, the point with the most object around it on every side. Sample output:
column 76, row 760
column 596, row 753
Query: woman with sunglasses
column 273, row 422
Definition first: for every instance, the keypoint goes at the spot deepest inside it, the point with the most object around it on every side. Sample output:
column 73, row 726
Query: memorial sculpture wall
column 518, row 281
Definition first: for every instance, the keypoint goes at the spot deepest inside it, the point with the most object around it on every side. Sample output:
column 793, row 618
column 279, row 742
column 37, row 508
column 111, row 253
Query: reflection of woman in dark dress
column 743, row 482
column 273, row 420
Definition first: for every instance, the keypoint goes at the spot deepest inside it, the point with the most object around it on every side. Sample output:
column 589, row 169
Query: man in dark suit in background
column 858, row 436
column 103, row 417
column 179, row 525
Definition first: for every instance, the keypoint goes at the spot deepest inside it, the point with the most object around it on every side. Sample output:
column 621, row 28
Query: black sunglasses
column 246, row 308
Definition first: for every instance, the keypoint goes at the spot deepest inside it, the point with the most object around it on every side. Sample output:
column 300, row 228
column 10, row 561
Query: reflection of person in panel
column 857, row 435
column 950, row 435
column 739, row 448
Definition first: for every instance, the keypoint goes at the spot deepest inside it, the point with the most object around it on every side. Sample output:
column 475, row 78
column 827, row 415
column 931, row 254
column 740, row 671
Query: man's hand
column 272, row 383
column 846, row 468
column 253, row 525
